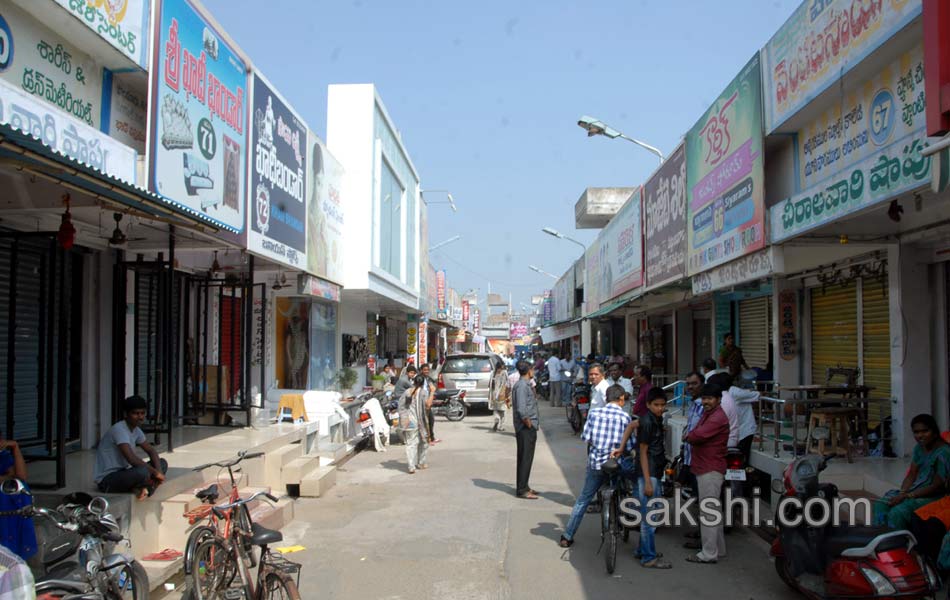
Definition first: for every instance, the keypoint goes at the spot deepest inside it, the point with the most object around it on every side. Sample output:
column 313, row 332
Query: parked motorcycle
column 543, row 383
column 578, row 406
column 372, row 433
column 450, row 404
column 845, row 561
column 83, row 563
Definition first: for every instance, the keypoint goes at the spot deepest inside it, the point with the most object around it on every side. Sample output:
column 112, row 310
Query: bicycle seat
column 262, row 536
column 209, row 494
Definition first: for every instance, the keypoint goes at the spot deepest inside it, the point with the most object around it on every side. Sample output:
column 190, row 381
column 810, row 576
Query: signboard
column 309, row 285
column 864, row 151
column 725, row 216
column 787, row 324
column 518, row 330
column 277, row 209
column 440, row 291
column 324, row 212
column 465, row 311
column 476, row 321
column 748, row 268
column 423, row 342
column 547, row 309
column 412, row 339
column 432, row 292
column 819, row 43
column 371, row 338
column 564, row 297
column 122, row 23
column 615, row 259
column 44, row 65
column 127, row 113
column 65, row 134
column 664, row 217
column 198, row 117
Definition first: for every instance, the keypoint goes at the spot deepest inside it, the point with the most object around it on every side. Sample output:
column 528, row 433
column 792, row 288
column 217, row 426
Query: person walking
column 526, row 421
column 708, row 441
column 501, row 397
column 554, row 378
column 414, row 425
column 430, row 392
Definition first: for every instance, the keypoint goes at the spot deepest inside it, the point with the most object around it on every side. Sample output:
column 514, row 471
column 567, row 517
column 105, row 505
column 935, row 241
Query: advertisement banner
column 664, row 217
column 432, row 299
column 65, row 134
column 127, row 115
column 465, row 311
column 440, row 293
column 324, row 212
column 198, row 121
column 412, row 339
column 547, row 309
column 788, row 324
column 518, row 330
column 865, row 151
column 564, row 297
column 725, row 216
column 42, row 64
column 371, row 338
column 423, row 341
column 819, row 43
column 615, row 259
column 122, row 23
column 747, row 268
column 308, row 285
column 476, row 321
column 277, row 210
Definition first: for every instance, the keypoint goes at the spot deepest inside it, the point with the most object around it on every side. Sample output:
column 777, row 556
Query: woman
column 413, row 424
column 730, row 356
column 925, row 480
column 16, row 533
column 501, row 397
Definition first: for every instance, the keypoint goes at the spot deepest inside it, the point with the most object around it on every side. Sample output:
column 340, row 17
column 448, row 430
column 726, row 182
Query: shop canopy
column 561, row 331
column 606, row 310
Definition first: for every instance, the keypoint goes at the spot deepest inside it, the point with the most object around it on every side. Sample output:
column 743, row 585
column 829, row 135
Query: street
column 457, row 531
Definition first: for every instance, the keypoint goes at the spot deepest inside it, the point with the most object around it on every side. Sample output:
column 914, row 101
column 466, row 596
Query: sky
column 487, row 95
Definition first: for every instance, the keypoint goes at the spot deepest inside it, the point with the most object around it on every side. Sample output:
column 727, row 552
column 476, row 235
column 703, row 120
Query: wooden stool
column 294, row 403
column 838, row 421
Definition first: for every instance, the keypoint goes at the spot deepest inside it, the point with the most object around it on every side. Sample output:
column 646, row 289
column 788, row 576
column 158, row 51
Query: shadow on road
column 494, row 485
column 552, row 531
column 395, row 465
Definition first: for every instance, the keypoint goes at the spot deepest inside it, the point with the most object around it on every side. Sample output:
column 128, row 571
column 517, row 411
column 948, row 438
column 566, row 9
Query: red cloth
column 640, row 407
column 709, row 440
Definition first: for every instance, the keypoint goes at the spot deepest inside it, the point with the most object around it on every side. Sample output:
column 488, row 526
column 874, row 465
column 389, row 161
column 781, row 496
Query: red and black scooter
column 844, row 562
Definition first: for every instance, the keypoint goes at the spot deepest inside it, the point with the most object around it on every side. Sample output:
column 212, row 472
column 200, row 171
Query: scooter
column 450, row 404
column 843, row 562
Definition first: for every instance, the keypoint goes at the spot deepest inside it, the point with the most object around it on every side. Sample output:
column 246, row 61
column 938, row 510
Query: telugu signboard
column 324, row 212
column 440, row 293
column 198, row 117
column 664, row 210
column 724, row 170
column 277, row 208
column 747, row 268
column 564, row 296
column 127, row 113
column 864, row 151
column 122, row 23
column 819, row 43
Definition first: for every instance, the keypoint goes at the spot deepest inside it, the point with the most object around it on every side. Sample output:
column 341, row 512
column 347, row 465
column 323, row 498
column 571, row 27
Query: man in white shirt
column 710, row 369
column 598, row 387
column 615, row 376
column 567, row 381
column 724, row 381
column 554, row 378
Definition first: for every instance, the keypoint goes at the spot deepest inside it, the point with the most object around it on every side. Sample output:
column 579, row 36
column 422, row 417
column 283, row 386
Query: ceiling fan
column 119, row 237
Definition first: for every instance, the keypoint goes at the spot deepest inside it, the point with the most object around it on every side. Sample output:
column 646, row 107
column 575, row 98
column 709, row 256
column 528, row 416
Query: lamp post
column 561, row 236
column 595, row 127
column 543, row 272
column 445, row 242
column 450, row 201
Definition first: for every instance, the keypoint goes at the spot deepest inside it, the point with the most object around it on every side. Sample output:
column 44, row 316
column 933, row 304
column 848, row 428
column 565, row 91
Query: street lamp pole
column 596, row 127
column 543, row 272
column 444, row 243
column 561, row 236
column 450, row 201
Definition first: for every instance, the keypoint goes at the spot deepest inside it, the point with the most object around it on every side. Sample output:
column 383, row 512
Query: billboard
column 820, row 42
column 564, row 297
column 614, row 261
column 324, row 212
column 278, row 184
column 122, row 23
column 664, row 218
column 198, row 122
column 440, row 293
column 725, row 215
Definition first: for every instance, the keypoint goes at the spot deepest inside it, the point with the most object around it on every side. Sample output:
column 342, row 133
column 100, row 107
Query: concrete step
column 275, row 462
column 274, row 516
column 333, row 451
column 318, row 482
column 160, row 571
column 175, row 529
column 294, row 471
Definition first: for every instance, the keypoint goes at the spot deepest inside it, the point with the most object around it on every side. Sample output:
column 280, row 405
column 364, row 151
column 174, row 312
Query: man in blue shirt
column 603, row 431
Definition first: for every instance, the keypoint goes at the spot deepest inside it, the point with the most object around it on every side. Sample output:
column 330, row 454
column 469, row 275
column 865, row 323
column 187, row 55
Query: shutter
column 834, row 329
column 876, row 335
column 754, row 330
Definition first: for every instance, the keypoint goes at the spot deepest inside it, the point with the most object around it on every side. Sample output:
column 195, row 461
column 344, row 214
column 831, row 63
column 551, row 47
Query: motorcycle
column 450, row 404
column 377, row 434
column 83, row 563
column 543, row 383
column 578, row 406
column 843, row 561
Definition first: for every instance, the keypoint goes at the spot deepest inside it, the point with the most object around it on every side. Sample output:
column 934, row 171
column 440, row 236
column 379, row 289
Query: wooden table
column 855, row 397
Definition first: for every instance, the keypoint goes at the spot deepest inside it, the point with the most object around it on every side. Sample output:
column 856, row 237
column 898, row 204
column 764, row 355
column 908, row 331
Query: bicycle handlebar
column 230, row 463
column 251, row 498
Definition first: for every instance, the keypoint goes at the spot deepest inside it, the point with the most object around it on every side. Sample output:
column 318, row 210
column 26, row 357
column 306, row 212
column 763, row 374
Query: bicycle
column 217, row 560
column 214, row 527
column 612, row 494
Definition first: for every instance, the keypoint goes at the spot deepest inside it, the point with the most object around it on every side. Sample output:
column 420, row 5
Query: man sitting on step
column 118, row 468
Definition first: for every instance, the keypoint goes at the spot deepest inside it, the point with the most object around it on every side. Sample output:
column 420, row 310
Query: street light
column 450, row 201
column 561, row 236
column 543, row 272
column 595, row 127
column 444, row 243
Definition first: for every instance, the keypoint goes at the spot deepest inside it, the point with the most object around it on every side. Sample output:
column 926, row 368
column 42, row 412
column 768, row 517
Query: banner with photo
column 614, row 262
column 725, row 216
column 324, row 212
column 664, row 218
column 820, row 42
column 198, row 118
column 122, row 23
column 278, row 179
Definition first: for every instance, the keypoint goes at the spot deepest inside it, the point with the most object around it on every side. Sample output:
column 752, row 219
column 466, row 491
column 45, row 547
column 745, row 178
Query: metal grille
column 876, row 337
column 834, row 329
column 755, row 330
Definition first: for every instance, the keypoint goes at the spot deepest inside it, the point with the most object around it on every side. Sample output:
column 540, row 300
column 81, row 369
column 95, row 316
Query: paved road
column 456, row 531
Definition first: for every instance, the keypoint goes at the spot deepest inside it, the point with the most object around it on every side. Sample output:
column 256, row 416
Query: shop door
column 702, row 341
column 754, row 330
column 834, row 329
column 876, row 338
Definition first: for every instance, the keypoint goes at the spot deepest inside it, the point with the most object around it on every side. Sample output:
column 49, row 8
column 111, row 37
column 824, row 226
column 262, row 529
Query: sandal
column 637, row 555
column 693, row 545
column 565, row 543
column 696, row 559
column 657, row 563
column 528, row 496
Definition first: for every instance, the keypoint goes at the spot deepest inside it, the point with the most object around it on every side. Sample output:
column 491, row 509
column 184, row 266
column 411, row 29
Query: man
column 615, row 377
column 708, row 441
column 554, row 378
column 645, row 381
column 730, row 355
column 405, row 382
column 651, row 460
column 724, row 382
column 710, row 369
column 567, row 380
column 607, row 431
column 430, row 394
column 526, row 421
column 598, row 387
column 118, row 469
column 694, row 388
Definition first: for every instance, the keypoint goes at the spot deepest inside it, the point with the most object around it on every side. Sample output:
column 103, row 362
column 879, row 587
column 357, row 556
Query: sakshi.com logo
column 730, row 511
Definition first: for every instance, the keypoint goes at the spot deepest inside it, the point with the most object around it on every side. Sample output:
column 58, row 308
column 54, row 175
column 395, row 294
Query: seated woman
column 16, row 533
column 925, row 481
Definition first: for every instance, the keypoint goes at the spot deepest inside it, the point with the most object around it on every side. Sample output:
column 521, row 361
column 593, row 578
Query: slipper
column 166, row 554
column 412, row 471
column 693, row 545
column 423, row 466
column 696, row 559
column 565, row 543
column 528, row 496
column 637, row 555
column 656, row 563
column 435, row 441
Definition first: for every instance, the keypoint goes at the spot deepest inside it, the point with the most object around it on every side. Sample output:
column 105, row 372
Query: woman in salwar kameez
column 925, row 480
column 413, row 424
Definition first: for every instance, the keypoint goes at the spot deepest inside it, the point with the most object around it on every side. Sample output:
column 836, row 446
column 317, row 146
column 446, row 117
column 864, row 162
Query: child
column 501, row 397
column 651, row 460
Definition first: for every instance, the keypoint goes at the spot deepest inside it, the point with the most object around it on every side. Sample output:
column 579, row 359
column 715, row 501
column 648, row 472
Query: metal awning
column 562, row 331
column 609, row 308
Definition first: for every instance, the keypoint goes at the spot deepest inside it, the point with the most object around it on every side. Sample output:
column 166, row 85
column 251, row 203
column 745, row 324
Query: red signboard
column 936, row 23
column 465, row 313
column 440, row 290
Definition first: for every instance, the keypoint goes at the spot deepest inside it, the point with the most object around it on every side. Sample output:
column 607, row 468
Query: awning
column 561, row 331
column 608, row 309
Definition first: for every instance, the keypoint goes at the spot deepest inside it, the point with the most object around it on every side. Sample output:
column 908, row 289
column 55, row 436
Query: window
column 467, row 364
column 322, row 345
column 390, row 222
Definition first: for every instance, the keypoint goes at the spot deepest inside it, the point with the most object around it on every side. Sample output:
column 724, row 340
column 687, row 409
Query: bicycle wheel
column 279, row 587
column 610, row 530
column 131, row 583
column 243, row 518
column 213, row 568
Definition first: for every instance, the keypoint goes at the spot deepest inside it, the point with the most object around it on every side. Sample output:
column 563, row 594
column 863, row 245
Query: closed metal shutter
column 876, row 336
column 754, row 330
column 834, row 329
